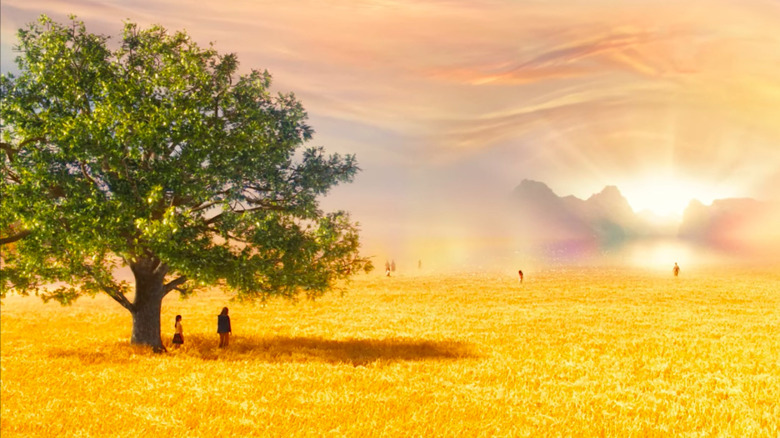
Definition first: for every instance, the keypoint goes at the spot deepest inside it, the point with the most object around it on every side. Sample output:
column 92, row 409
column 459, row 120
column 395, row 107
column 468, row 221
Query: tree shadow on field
column 356, row 352
column 115, row 353
column 312, row 349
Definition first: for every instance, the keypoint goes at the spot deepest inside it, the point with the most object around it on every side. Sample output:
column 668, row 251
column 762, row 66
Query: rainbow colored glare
column 448, row 105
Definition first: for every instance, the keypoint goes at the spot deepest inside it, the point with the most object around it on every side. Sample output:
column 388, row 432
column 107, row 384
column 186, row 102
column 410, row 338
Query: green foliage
column 153, row 152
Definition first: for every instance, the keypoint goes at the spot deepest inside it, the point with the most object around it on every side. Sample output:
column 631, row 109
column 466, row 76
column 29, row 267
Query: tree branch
column 12, row 177
column 9, row 150
column 214, row 219
column 119, row 297
column 159, row 268
column 16, row 237
column 259, row 207
column 111, row 290
column 205, row 205
column 174, row 285
column 259, row 189
column 12, row 151
column 232, row 238
column 86, row 174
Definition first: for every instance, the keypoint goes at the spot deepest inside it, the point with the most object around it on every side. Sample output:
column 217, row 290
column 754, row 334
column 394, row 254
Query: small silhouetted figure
column 520, row 272
column 419, row 264
column 223, row 328
column 392, row 265
column 178, row 333
column 387, row 268
column 676, row 269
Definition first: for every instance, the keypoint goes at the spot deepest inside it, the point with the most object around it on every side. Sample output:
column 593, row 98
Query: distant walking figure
column 521, row 275
column 387, row 268
column 676, row 269
column 178, row 333
column 392, row 265
column 223, row 328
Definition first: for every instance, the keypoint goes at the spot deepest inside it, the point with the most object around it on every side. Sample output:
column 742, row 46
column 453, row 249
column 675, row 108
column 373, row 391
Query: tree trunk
column 149, row 278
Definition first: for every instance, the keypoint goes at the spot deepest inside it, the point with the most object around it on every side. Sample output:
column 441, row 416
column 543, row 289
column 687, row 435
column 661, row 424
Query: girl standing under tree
column 178, row 333
column 223, row 328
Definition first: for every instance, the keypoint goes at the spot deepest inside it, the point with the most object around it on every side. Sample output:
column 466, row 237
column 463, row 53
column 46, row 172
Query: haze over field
column 594, row 145
column 450, row 105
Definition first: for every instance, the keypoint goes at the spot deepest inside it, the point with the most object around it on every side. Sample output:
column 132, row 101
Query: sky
column 449, row 104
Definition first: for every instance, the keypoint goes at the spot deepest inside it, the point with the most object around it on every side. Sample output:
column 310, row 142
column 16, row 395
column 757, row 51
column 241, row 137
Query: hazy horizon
column 449, row 105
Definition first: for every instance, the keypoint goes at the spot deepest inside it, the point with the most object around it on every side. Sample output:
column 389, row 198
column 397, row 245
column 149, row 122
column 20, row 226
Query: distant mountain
column 607, row 218
column 604, row 217
column 544, row 215
column 732, row 223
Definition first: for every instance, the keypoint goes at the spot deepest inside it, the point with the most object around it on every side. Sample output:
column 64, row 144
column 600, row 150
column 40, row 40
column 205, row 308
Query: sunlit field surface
column 570, row 352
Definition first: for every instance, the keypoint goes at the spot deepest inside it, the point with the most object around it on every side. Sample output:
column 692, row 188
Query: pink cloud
column 571, row 91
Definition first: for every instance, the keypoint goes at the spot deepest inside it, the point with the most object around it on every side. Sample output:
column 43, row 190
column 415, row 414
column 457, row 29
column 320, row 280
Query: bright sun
column 665, row 196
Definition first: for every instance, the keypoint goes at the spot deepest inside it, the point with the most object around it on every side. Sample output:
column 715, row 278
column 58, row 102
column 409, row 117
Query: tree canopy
column 153, row 152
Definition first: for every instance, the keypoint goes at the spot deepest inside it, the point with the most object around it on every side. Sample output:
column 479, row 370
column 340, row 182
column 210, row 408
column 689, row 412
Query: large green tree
column 154, row 153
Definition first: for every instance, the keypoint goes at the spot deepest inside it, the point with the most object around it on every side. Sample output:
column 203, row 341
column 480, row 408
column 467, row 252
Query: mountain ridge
column 607, row 217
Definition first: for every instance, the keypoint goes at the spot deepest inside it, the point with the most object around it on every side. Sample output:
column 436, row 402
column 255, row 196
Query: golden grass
column 569, row 353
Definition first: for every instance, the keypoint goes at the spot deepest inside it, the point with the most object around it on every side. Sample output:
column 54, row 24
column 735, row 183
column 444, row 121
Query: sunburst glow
column 667, row 101
column 667, row 196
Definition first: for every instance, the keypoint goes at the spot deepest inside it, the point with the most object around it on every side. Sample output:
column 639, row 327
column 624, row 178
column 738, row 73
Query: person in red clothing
column 521, row 275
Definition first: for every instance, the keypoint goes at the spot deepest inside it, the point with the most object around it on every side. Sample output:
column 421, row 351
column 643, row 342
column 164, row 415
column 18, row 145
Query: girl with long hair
column 223, row 328
column 178, row 333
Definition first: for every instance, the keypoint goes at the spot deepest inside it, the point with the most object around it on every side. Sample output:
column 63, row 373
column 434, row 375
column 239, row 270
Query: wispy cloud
column 575, row 93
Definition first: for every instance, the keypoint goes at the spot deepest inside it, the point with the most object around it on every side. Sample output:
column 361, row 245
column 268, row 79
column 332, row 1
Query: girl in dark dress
column 223, row 328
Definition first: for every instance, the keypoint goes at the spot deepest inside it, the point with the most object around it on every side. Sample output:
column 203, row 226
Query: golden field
column 571, row 352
